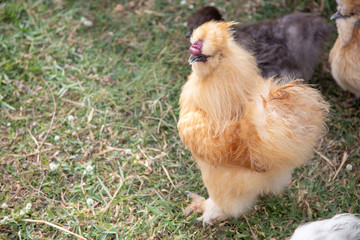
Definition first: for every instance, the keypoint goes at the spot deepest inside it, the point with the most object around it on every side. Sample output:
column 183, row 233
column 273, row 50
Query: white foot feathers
column 211, row 212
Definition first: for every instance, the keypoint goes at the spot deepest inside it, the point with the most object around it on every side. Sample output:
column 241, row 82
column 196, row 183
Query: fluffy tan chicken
column 345, row 55
column 246, row 134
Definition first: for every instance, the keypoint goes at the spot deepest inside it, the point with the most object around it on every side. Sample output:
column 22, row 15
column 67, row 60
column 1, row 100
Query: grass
column 99, row 105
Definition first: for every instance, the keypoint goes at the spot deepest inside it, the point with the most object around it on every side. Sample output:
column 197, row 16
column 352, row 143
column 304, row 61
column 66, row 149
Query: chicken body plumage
column 246, row 134
column 341, row 227
column 290, row 46
column 344, row 56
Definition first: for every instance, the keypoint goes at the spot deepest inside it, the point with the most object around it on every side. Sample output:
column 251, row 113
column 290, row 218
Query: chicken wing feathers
column 270, row 127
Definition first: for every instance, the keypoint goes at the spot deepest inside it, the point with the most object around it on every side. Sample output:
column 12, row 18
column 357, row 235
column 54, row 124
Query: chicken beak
column 195, row 58
column 357, row 23
column 336, row 15
column 188, row 34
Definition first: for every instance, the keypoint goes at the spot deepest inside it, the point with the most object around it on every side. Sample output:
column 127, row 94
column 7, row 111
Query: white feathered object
column 341, row 227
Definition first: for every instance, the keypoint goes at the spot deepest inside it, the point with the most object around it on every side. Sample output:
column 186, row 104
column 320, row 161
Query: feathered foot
column 197, row 205
column 210, row 211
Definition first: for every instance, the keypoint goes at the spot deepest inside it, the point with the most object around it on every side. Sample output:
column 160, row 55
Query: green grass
column 100, row 102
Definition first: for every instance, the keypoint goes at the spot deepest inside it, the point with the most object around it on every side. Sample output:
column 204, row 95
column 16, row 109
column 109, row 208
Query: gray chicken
column 288, row 46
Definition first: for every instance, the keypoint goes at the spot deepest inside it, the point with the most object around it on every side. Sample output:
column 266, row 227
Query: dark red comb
column 196, row 48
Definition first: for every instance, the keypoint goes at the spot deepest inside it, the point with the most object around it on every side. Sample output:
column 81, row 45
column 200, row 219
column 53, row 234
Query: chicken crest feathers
column 215, row 31
column 349, row 7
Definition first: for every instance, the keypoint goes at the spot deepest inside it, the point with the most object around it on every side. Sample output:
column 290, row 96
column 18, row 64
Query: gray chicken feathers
column 286, row 47
column 201, row 16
